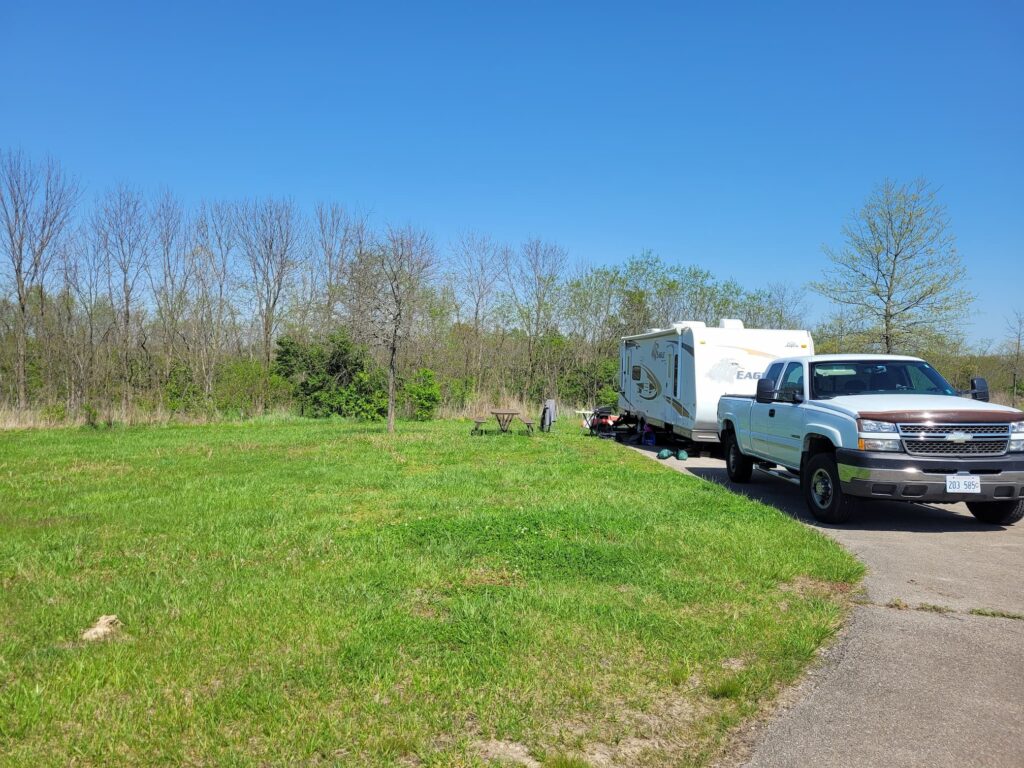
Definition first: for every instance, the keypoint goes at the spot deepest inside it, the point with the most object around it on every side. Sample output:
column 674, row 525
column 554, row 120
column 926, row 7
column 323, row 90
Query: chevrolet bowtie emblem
column 958, row 437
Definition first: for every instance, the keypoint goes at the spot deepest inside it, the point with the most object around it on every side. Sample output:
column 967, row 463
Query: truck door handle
column 771, row 413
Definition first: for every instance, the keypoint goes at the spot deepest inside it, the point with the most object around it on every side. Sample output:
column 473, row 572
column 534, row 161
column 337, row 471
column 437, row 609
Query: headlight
column 879, row 444
column 1017, row 437
column 867, row 425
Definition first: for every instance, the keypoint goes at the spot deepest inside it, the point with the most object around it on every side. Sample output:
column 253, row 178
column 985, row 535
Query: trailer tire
column 997, row 512
column 738, row 466
column 822, row 490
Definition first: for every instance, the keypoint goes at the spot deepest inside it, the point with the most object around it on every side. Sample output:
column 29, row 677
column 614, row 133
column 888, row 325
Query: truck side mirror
column 979, row 389
column 765, row 391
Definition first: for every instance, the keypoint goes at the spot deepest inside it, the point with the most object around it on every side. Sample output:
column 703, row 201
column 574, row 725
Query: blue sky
column 737, row 136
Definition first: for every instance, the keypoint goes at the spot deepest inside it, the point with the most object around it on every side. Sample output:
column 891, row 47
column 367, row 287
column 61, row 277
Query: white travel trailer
column 672, row 378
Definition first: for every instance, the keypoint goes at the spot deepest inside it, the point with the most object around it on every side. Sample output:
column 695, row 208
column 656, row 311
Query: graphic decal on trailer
column 648, row 387
column 678, row 407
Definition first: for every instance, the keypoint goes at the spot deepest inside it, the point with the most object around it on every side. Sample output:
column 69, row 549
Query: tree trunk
column 21, row 356
column 392, row 375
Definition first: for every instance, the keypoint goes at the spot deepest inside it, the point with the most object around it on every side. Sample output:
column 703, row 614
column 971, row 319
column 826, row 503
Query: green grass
column 997, row 614
column 299, row 592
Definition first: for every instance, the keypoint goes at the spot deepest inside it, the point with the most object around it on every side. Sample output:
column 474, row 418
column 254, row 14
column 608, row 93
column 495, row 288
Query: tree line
column 131, row 304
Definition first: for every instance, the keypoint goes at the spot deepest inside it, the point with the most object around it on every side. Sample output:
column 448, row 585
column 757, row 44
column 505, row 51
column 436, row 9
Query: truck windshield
column 876, row 377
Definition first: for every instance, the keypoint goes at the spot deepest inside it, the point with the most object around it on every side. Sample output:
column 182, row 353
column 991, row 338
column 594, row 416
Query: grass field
column 315, row 593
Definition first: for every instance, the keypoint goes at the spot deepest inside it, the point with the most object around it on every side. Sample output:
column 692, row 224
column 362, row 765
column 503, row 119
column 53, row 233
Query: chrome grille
column 942, row 448
column 975, row 430
column 955, row 439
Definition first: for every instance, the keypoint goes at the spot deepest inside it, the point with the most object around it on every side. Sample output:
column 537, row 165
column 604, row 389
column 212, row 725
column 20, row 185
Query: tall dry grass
column 56, row 416
column 482, row 406
column 50, row 418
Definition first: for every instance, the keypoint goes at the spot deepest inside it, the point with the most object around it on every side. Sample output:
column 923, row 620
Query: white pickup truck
column 878, row 427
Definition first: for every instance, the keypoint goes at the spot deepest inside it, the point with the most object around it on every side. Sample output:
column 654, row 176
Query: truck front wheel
column 739, row 467
column 822, row 490
column 997, row 512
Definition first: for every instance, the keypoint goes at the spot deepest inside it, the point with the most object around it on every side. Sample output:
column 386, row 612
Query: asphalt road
column 928, row 684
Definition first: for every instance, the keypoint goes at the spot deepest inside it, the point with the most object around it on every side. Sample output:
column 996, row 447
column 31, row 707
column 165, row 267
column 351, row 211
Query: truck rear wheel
column 997, row 512
column 739, row 467
column 823, row 492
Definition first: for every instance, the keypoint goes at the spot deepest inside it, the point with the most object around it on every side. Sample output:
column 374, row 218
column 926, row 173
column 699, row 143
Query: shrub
column 56, row 413
column 591, row 383
column 243, row 384
column 423, row 394
column 607, row 396
column 181, row 394
column 458, row 391
column 91, row 415
column 335, row 377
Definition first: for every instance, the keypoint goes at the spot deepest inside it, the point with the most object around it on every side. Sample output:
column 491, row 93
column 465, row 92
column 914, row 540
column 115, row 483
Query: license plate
column 963, row 484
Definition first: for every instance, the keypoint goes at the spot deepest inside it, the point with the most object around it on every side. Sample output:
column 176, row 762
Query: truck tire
column 997, row 512
column 823, row 492
column 739, row 467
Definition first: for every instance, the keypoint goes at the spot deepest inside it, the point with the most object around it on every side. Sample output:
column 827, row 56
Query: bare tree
column 899, row 270
column 1014, row 344
column 476, row 270
column 777, row 305
column 592, row 305
column 171, row 274
column 533, row 276
column 87, row 320
column 214, row 242
column 122, row 230
column 338, row 237
column 270, row 234
column 389, row 279
column 36, row 203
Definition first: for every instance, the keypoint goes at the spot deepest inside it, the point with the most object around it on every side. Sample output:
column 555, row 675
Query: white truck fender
column 817, row 429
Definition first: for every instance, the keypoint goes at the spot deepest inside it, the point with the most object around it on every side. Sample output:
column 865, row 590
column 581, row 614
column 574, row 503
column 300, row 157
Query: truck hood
column 920, row 408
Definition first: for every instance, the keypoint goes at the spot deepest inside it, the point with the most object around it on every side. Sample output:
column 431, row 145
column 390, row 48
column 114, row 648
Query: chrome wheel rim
column 822, row 490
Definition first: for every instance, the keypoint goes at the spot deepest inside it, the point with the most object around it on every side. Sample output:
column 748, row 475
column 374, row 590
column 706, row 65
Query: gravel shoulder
column 930, row 670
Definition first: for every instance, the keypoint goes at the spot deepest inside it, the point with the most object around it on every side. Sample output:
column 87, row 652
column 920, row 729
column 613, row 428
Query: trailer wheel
column 739, row 467
column 997, row 512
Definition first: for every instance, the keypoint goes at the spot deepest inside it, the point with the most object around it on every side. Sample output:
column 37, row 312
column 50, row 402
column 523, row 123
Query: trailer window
column 635, row 373
column 675, row 375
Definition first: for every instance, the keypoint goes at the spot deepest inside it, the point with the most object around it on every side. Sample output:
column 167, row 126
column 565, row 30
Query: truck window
column 772, row 374
column 885, row 376
column 793, row 380
column 675, row 375
column 635, row 373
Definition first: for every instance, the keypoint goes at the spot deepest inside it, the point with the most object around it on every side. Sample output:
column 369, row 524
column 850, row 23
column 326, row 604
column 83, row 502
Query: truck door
column 786, row 427
column 759, row 419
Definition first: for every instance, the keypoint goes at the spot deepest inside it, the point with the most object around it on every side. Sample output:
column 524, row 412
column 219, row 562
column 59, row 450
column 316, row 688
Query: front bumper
column 913, row 478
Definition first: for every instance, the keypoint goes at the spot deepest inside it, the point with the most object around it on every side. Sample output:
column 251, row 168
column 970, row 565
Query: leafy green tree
column 899, row 272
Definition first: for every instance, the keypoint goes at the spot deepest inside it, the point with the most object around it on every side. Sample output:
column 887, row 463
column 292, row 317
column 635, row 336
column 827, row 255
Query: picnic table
column 504, row 418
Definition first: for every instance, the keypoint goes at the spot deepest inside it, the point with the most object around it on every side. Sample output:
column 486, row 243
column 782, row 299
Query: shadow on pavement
column 869, row 516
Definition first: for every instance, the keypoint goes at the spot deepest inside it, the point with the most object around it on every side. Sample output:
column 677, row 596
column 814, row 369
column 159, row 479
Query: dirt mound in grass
column 508, row 753
column 104, row 628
